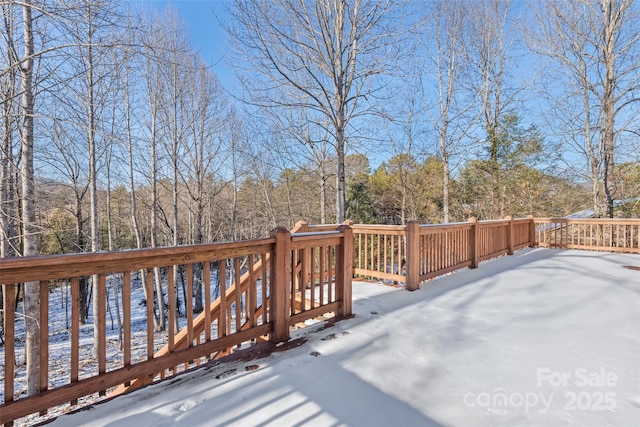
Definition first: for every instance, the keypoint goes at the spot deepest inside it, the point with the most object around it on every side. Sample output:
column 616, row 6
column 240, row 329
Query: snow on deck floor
column 543, row 337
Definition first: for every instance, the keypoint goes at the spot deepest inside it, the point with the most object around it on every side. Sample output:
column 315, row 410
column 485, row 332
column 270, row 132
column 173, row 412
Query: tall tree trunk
column 7, row 166
column 84, row 284
column 7, row 89
column 132, row 186
column 159, row 321
column 323, row 196
column 340, row 181
column 445, row 188
column 234, row 183
column 198, row 283
column 31, row 289
column 611, row 16
column 93, row 174
column 109, row 220
column 340, row 103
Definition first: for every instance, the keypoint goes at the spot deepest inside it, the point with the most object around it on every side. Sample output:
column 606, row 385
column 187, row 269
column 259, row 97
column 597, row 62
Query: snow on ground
column 544, row 337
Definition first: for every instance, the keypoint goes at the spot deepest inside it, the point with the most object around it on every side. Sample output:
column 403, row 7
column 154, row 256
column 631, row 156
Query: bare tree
column 203, row 143
column 593, row 80
column 92, row 31
column 128, row 85
column 8, row 166
column 491, row 40
column 405, row 139
column 205, row 115
column 27, row 182
column 176, row 71
column 153, row 92
column 64, row 156
column 254, row 208
column 9, row 223
column 301, row 141
column 443, row 78
column 488, row 51
column 326, row 56
column 237, row 139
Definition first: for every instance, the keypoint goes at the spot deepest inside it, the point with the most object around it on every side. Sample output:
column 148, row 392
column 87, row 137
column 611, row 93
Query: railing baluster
column 359, row 253
column 293, row 280
column 330, row 264
column 189, row 303
column 126, row 311
column 9, row 313
column 207, row 300
column 439, row 251
column 251, row 294
column 75, row 331
column 372, row 264
column 322, row 274
column 305, row 272
column 312, row 276
column 222, row 318
column 44, row 337
column 102, row 326
column 265, row 287
column 392, row 248
column 432, row 254
column 238, row 311
column 444, row 250
column 378, row 262
column 172, row 317
column 148, row 284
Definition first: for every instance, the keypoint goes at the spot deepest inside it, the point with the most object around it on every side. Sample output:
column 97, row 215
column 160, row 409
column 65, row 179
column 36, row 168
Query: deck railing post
column 279, row 281
column 344, row 271
column 350, row 223
column 510, row 235
column 413, row 256
column 473, row 242
column 532, row 231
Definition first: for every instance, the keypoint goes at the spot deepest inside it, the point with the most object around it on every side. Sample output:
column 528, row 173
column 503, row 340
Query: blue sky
column 207, row 35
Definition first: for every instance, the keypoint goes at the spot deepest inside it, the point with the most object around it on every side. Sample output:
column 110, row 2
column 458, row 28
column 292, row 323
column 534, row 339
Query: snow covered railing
column 251, row 290
column 604, row 234
column 414, row 253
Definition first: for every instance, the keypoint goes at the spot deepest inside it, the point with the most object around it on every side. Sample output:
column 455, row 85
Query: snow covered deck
column 543, row 337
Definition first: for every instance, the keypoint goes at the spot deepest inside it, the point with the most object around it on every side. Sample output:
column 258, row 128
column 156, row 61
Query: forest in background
column 116, row 134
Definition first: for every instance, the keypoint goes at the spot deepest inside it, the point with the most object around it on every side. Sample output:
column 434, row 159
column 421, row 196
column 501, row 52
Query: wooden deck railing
column 614, row 235
column 415, row 253
column 380, row 251
column 252, row 290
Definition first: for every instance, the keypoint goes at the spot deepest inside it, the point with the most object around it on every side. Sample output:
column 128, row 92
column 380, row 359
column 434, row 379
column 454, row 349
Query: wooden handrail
column 54, row 267
column 253, row 320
